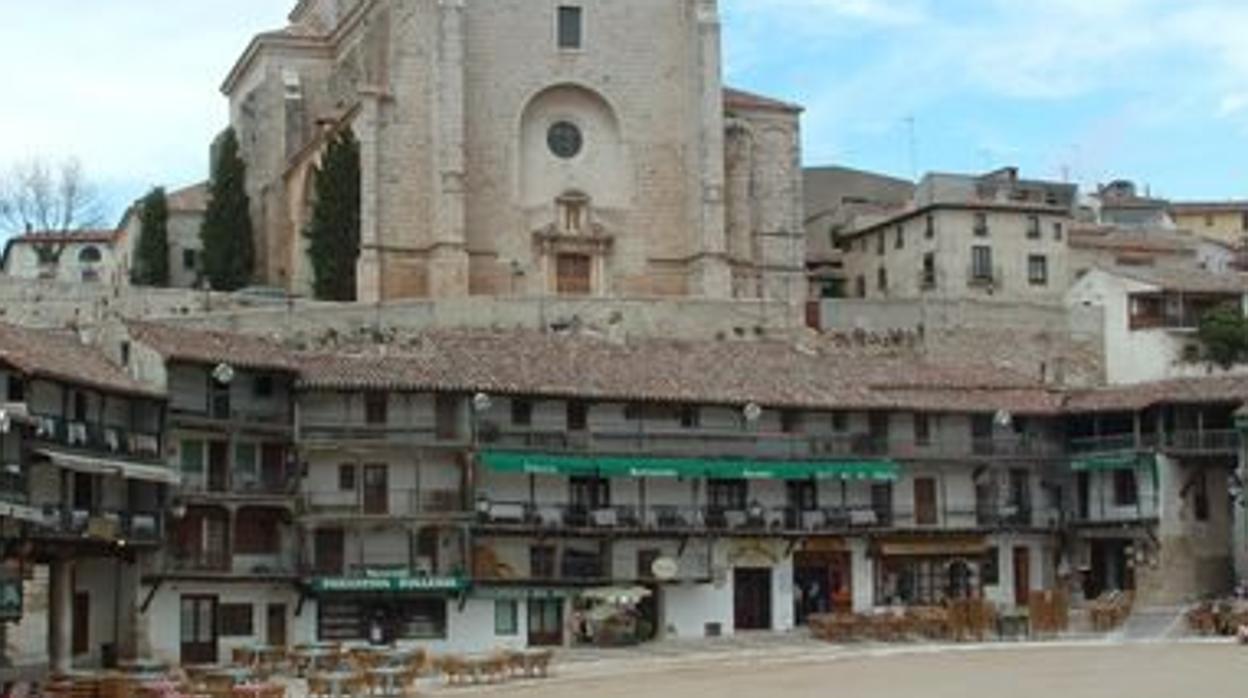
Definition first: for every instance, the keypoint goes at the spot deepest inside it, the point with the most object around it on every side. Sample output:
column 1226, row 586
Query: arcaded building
column 524, row 147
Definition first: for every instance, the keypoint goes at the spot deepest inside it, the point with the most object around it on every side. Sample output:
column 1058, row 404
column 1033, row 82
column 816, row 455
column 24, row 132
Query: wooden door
column 199, row 630
column 752, row 598
column 218, row 466
column 276, row 625
column 81, row 640
column 545, row 622
column 1022, row 576
column 925, row 501
column 573, row 275
column 328, row 549
column 376, row 490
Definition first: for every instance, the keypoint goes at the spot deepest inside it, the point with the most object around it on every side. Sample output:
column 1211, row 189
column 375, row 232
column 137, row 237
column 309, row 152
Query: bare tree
column 37, row 195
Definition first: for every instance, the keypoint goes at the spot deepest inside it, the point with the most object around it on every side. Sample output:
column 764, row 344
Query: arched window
column 90, row 255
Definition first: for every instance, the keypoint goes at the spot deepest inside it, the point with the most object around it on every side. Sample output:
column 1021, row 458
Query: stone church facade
column 524, row 147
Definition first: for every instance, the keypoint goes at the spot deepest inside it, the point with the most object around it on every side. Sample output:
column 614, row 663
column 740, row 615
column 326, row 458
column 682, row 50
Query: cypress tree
column 229, row 248
column 334, row 231
column 151, row 261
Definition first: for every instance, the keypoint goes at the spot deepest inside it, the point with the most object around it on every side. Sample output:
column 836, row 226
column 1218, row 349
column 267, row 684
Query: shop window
column 506, row 618
column 235, row 620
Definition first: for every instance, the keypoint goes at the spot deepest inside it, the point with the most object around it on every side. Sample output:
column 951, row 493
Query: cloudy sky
column 1155, row 90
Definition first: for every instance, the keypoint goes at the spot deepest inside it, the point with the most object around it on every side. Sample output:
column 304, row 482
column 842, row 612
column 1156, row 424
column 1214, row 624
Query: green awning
column 726, row 469
column 1112, row 461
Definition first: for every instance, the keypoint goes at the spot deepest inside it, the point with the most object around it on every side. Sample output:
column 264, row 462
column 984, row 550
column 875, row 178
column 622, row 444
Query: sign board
column 665, row 569
column 10, row 596
column 388, row 584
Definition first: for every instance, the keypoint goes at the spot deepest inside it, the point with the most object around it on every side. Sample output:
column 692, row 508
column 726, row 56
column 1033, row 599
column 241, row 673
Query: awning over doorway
column 728, row 469
column 93, row 465
column 1104, row 462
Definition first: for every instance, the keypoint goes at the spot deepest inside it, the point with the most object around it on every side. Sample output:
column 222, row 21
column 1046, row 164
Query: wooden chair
column 318, row 688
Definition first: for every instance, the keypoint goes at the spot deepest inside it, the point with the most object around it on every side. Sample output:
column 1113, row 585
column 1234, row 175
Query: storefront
column 929, row 571
column 822, row 579
column 384, row 609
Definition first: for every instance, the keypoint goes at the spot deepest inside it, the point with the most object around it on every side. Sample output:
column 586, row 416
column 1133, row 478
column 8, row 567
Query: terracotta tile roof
column 101, row 236
column 1110, row 238
column 1199, row 207
column 1185, row 280
column 61, row 355
column 1218, row 389
column 740, row 99
column 736, row 373
column 213, row 347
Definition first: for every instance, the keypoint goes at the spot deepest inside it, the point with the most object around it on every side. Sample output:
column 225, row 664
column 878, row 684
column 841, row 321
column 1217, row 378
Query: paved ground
column 798, row 670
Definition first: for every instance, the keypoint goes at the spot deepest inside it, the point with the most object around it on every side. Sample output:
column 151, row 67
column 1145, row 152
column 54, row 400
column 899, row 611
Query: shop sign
column 10, row 596
column 389, row 583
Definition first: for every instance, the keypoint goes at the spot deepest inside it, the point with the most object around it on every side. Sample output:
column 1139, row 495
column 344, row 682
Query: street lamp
column 752, row 413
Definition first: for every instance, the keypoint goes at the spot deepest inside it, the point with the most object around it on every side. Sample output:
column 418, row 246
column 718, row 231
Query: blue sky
column 1154, row 90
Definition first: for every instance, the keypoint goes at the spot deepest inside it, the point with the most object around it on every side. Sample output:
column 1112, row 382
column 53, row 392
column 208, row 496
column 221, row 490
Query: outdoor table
column 315, row 659
column 389, row 677
column 266, row 654
column 336, row 681
column 236, row 675
column 248, row 690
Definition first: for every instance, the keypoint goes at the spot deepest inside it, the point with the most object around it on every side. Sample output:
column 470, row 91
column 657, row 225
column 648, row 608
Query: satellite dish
column 664, row 569
column 223, row 374
column 1004, row 418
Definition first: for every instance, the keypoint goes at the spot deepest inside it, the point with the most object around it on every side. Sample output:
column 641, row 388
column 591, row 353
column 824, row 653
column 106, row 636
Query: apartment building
column 1223, row 221
column 991, row 236
column 470, row 490
column 87, row 493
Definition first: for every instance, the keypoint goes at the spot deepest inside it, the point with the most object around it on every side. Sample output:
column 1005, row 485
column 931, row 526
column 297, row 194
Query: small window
column 571, row 29
column 928, row 280
column 981, row 224
column 1038, row 270
column 860, row 285
column 565, row 140
column 190, row 260
column 506, row 618
column 263, row 386
column 791, row 421
column 17, row 389
column 981, row 263
column 922, row 430
column 1033, row 227
column 880, row 244
column 90, row 255
column 125, row 353
column 690, row 417
column 235, row 620
column 578, row 416
column 1126, row 493
column 346, row 477
column 929, row 229
column 881, row 279
column 522, row 413
column 900, row 242
column 192, row 455
column 376, row 408
column 1058, row 231
column 80, row 407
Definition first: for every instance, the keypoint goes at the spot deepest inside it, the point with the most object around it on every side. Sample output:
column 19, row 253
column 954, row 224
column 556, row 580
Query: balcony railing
column 1181, row 442
column 381, row 433
column 95, row 437
column 258, row 486
column 395, row 502
column 131, row 527
column 270, row 418
column 523, row 515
